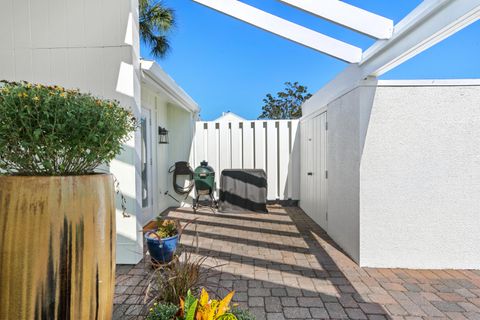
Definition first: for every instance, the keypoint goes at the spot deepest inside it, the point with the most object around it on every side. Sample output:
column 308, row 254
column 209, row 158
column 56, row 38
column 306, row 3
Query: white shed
column 395, row 178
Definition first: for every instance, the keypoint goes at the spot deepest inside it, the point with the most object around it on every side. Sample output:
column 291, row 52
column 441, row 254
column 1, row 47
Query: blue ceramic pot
column 161, row 250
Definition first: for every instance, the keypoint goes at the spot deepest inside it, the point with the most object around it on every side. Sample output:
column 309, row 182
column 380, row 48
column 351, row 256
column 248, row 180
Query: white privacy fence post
column 283, row 158
column 260, row 151
column 237, row 154
column 270, row 145
column 248, row 145
column 272, row 159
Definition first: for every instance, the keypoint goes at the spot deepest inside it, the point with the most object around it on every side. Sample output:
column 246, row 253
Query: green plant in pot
column 162, row 242
column 57, row 250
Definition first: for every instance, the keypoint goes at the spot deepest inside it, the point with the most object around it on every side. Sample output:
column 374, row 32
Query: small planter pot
column 161, row 250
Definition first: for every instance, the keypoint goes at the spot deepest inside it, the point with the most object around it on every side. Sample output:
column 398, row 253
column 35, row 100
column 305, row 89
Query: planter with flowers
column 162, row 242
column 202, row 308
column 57, row 247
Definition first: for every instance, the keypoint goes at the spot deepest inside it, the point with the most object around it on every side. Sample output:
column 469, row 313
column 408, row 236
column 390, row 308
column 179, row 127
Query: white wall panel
column 200, row 144
column 75, row 22
column 41, row 65
column 7, row 64
column 6, row 33
column 23, row 65
column 295, row 161
column 93, row 27
column 272, row 159
column 57, row 23
column 212, row 149
column 39, row 20
column 283, row 158
column 59, row 66
column 248, row 146
column 224, row 145
column 236, row 137
column 260, row 150
column 22, row 24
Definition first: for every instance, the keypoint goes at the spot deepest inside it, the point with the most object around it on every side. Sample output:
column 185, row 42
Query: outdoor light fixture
column 162, row 135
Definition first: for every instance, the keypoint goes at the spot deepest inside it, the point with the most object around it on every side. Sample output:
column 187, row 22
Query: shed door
column 314, row 169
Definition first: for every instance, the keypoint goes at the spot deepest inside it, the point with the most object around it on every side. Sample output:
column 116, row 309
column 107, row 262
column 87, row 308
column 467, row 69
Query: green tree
column 156, row 20
column 287, row 104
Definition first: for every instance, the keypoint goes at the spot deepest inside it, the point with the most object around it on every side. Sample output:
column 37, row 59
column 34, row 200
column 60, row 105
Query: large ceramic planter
column 57, row 247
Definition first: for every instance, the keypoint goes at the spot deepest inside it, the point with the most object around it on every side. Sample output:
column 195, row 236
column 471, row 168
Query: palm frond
column 155, row 21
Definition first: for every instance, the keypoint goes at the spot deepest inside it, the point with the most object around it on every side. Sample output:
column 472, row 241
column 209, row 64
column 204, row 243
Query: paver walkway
column 284, row 266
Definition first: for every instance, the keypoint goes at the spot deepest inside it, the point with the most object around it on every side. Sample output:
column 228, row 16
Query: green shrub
column 47, row 130
column 160, row 311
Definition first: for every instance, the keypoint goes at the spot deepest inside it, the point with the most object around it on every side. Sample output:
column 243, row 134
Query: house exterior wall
column 92, row 45
column 180, row 124
column 419, row 178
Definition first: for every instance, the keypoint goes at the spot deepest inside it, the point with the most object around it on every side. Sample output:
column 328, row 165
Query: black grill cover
column 243, row 190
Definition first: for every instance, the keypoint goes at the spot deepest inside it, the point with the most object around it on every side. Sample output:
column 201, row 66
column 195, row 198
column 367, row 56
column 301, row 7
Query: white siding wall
column 180, row 124
column 87, row 44
column 264, row 145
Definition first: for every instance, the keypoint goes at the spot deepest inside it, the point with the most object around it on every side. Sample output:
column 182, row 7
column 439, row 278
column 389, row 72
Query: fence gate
column 271, row 145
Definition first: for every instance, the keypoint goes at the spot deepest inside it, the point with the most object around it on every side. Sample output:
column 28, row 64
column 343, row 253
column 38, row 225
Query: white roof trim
column 286, row 29
column 347, row 15
column 154, row 75
column 430, row 83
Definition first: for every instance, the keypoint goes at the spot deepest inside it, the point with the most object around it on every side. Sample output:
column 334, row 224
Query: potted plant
column 162, row 242
column 57, row 247
column 191, row 308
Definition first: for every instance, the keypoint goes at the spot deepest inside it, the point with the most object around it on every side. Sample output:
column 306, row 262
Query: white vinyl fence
column 271, row 145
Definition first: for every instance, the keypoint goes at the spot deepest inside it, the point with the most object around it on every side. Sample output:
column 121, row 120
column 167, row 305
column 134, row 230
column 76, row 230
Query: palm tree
column 155, row 22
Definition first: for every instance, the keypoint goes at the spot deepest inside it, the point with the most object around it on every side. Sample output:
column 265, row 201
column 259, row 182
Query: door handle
column 310, row 174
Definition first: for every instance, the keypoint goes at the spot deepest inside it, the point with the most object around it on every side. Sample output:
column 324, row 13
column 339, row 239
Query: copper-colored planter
column 57, row 247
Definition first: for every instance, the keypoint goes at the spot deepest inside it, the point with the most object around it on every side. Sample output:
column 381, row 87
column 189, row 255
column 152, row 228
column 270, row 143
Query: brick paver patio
column 283, row 266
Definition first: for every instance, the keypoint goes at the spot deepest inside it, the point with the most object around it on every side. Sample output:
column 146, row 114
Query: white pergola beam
column 431, row 22
column 347, row 15
column 286, row 29
column 428, row 24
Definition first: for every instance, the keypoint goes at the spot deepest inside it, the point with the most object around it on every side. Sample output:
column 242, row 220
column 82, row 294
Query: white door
column 314, row 169
column 146, row 164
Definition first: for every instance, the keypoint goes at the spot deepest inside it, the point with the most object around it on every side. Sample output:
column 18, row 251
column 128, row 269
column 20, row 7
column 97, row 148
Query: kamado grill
column 204, row 179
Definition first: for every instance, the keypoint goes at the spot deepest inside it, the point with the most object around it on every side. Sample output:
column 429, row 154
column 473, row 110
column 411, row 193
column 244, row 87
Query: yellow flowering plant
column 48, row 130
column 206, row 308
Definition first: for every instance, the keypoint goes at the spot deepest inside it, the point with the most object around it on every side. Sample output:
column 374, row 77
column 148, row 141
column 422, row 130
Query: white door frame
column 147, row 150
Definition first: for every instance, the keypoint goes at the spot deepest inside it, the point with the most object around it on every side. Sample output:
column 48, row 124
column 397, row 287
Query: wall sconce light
column 162, row 135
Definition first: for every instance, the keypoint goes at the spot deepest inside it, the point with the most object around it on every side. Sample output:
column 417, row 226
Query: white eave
column 430, row 83
column 153, row 75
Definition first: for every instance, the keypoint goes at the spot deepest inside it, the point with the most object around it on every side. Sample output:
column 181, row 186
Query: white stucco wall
column 420, row 178
column 404, row 172
column 347, row 124
column 90, row 45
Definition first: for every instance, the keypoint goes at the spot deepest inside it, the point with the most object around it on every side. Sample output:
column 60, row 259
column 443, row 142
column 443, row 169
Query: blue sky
column 227, row 65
